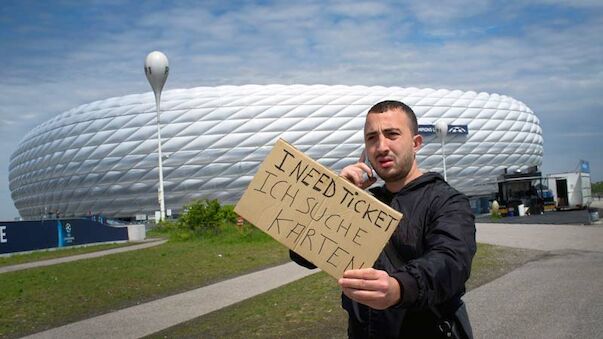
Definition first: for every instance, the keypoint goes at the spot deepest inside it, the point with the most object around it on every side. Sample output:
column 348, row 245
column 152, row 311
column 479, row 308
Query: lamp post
column 156, row 69
column 442, row 131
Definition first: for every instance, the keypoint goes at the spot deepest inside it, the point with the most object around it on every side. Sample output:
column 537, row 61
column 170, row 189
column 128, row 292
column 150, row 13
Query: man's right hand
column 355, row 173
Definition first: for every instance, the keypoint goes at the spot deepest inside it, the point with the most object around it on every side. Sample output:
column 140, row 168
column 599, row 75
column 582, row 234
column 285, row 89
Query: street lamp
column 442, row 131
column 156, row 69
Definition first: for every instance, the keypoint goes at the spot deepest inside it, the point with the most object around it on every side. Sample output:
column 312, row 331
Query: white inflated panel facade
column 102, row 157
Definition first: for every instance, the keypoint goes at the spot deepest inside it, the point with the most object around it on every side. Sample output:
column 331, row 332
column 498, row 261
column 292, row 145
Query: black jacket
column 436, row 241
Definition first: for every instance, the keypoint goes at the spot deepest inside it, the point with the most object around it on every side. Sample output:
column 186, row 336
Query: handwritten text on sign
column 316, row 213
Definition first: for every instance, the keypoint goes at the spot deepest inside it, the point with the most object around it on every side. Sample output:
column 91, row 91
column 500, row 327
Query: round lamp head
column 441, row 129
column 156, row 69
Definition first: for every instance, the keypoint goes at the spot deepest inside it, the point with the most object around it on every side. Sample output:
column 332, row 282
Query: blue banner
column 20, row 236
column 427, row 129
column 452, row 129
column 458, row 129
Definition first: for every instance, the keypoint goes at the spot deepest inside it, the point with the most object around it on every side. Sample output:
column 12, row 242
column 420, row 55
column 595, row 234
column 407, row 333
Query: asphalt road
column 543, row 237
column 557, row 296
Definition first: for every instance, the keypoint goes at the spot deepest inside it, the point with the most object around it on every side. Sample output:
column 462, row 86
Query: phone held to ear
column 367, row 176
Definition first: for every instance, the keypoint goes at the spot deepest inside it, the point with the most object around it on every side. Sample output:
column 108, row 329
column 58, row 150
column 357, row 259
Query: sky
column 57, row 55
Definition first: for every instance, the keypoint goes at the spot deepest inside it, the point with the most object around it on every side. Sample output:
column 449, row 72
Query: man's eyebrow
column 387, row 130
column 370, row 134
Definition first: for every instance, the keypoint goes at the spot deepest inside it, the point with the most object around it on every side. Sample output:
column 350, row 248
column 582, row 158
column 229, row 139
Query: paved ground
column 597, row 203
column 41, row 263
column 543, row 237
column 557, row 296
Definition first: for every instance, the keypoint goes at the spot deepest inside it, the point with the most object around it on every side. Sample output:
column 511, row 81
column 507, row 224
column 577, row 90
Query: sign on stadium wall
column 452, row 129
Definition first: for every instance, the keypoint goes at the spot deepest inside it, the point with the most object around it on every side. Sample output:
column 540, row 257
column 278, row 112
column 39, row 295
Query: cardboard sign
column 316, row 213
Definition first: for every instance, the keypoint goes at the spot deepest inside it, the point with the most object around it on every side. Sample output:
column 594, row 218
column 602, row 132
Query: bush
column 228, row 214
column 202, row 218
column 165, row 226
column 206, row 216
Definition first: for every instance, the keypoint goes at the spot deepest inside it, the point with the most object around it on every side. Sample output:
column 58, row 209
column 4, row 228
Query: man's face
column 390, row 144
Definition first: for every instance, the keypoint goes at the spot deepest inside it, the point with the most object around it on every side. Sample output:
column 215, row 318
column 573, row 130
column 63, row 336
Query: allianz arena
column 101, row 158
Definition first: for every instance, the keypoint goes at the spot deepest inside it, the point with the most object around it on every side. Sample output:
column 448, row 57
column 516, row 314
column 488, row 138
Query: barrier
column 136, row 232
column 20, row 236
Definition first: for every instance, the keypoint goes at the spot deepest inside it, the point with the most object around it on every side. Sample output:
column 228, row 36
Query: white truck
column 571, row 190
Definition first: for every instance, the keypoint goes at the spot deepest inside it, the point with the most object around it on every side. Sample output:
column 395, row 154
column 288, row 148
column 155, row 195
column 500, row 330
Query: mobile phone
column 368, row 163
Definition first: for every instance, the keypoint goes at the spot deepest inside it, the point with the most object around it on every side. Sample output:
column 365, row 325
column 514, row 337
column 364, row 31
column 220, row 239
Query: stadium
column 101, row 158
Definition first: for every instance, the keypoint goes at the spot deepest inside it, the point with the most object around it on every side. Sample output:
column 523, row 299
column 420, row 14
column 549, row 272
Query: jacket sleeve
column 449, row 245
column 301, row 260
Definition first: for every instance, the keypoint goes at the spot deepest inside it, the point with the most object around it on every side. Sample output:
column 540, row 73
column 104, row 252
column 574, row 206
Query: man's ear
column 417, row 142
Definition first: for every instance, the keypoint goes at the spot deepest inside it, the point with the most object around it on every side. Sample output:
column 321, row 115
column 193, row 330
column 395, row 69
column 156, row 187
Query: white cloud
column 589, row 4
column 443, row 12
column 361, row 9
column 554, row 65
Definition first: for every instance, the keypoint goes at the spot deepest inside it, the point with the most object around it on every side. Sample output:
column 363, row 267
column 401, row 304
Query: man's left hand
column 371, row 287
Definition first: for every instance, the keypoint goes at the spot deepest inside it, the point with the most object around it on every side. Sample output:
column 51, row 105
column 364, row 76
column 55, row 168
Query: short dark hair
column 389, row 105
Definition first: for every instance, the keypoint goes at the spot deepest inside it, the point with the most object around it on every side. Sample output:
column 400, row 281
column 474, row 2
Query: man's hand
column 355, row 173
column 371, row 287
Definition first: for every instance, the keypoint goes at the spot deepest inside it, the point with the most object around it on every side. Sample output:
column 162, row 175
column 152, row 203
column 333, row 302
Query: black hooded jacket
column 436, row 242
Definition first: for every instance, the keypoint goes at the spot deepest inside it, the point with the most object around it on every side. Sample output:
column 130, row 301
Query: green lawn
column 36, row 299
column 311, row 307
column 41, row 298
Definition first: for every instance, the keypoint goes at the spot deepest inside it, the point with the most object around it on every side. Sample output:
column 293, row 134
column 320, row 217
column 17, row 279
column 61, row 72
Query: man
column 415, row 286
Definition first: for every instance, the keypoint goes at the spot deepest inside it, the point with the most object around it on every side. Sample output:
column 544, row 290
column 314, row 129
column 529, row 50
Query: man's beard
column 401, row 173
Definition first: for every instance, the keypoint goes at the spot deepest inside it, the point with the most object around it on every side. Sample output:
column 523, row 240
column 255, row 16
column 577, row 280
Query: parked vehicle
column 571, row 190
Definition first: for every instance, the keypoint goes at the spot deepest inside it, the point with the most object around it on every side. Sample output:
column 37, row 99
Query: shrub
column 228, row 214
column 205, row 216
column 166, row 226
column 201, row 218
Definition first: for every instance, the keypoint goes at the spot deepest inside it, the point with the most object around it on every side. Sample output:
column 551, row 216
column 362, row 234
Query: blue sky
column 546, row 53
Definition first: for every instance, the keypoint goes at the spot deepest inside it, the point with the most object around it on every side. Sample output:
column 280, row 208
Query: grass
column 310, row 307
column 36, row 299
column 22, row 258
